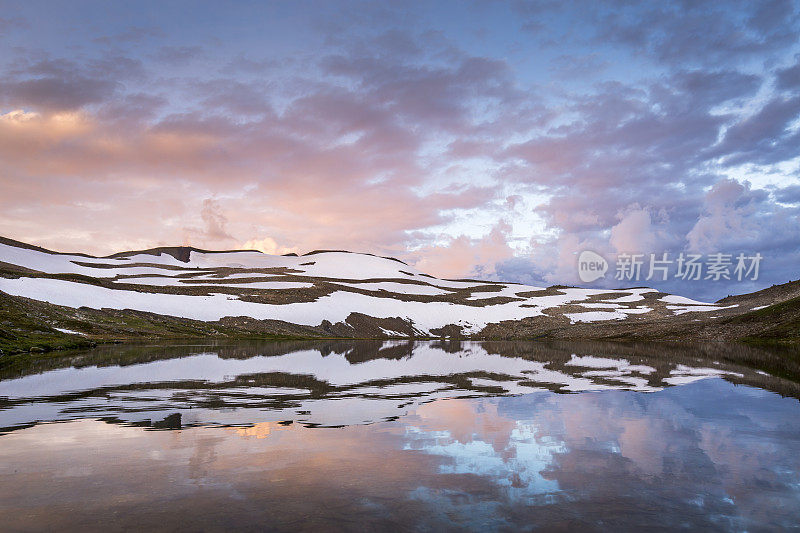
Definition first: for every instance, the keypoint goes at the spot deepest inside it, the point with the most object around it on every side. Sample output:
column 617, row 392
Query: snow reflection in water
column 324, row 386
column 427, row 436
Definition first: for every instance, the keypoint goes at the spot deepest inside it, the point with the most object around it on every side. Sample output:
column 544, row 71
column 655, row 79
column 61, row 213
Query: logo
column 591, row 266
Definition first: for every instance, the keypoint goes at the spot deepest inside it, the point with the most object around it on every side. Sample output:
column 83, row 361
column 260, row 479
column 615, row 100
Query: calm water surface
column 402, row 436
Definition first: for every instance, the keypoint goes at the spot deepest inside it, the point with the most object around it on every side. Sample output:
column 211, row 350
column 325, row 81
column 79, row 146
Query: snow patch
column 69, row 331
column 675, row 299
column 594, row 316
column 679, row 310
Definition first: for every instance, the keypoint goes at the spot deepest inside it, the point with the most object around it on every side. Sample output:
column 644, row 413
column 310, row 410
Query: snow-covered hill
column 315, row 289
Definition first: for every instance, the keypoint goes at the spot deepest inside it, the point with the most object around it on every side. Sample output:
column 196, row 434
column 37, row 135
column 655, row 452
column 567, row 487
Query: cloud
column 9, row 24
column 734, row 216
column 267, row 245
column 764, row 137
column 789, row 78
column 178, row 55
column 788, row 195
column 58, row 93
column 634, row 233
column 619, row 130
column 705, row 33
column 134, row 34
column 214, row 221
column 46, row 84
column 462, row 257
column 577, row 67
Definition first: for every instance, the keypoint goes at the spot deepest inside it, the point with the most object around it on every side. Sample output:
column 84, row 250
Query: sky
column 482, row 139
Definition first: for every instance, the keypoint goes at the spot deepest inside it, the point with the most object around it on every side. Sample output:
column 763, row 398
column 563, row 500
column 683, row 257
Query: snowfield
column 335, row 307
column 210, row 285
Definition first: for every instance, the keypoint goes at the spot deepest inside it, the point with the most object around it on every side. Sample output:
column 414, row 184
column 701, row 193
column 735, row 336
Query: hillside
column 53, row 300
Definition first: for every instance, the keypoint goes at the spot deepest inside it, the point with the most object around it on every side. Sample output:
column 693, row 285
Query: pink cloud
column 464, row 257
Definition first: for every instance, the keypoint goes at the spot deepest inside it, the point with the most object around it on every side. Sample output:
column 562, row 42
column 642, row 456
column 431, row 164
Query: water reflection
column 430, row 437
column 336, row 384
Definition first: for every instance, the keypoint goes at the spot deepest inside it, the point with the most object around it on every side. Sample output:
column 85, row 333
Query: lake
column 396, row 435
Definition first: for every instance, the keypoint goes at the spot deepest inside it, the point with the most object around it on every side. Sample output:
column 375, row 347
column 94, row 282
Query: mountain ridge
column 179, row 250
column 186, row 291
